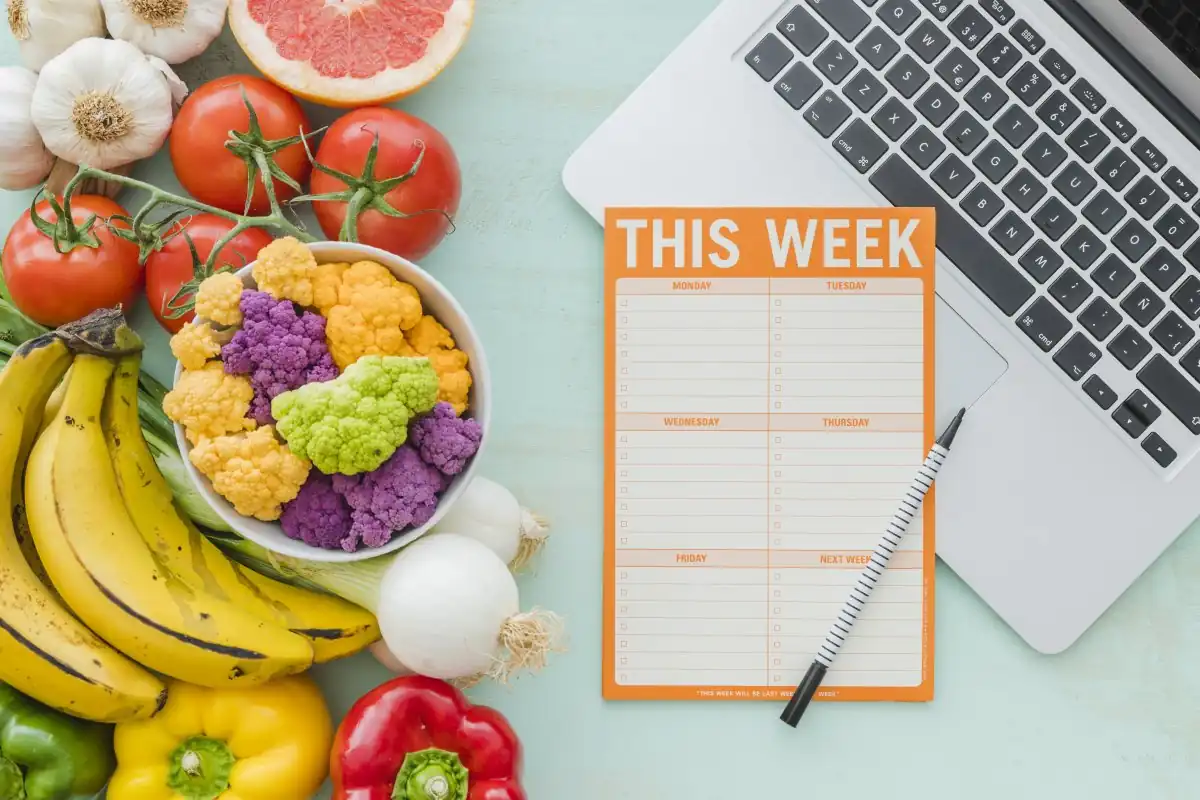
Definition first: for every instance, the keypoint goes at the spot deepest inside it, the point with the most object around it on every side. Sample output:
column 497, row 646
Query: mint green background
column 1116, row 716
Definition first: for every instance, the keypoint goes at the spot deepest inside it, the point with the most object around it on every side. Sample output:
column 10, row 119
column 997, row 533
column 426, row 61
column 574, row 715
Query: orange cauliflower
column 366, row 310
column 207, row 402
column 285, row 269
column 218, row 297
column 195, row 344
column 254, row 471
column 430, row 338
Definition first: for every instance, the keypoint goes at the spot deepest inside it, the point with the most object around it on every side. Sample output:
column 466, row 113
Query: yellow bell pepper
column 268, row 742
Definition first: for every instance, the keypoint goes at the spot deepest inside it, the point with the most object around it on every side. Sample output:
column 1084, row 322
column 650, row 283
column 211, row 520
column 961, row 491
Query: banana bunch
column 104, row 586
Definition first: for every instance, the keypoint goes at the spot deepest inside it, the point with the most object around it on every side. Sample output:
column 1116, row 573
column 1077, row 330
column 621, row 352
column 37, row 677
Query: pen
column 871, row 573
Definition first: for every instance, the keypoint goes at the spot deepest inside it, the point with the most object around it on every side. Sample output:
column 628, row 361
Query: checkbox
column 777, row 662
column 778, row 371
column 778, row 525
column 778, row 490
column 624, row 662
column 624, row 575
column 624, row 644
column 778, row 576
column 778, row 303
column 624, row 506
column 624, row 404
column 624, row 337
column 624, row 320
column 624, row 627
column 778, row 388
column 779, row 457
column 624, row 303
column 778, row 440
column 624, row 609
column 624, row 677
column 624, row 354
column 625, row 387
column 778, row 593
column 777, row 678
column 624, row 540
column 624, row 524
column 777, row 405
column 624, row 456
column 778, row 472
column 779, row 319
column 624, row 593
column 779, row 337
column 778, row 542
column 779, row 354
column 625, row 473
column 624, row 490
column 778, row 508
column 777, row 628
column 775, row 645
column 624, row 370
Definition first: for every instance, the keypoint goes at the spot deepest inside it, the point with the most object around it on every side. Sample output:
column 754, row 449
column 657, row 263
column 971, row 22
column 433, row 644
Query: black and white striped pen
column 871, row 573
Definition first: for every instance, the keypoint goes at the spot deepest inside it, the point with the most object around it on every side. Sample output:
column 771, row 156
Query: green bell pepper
column 47, row 755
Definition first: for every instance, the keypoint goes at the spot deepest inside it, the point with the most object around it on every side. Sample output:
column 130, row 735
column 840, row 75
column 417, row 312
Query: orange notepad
column 768, row 399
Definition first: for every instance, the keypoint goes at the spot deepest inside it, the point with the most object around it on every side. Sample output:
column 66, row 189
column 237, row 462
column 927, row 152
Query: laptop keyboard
column 1175, row 22
column 1049, row 199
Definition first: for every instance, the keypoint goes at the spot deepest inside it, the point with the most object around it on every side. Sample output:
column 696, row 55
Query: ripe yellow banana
column 46, row 652
column 115, row 583
column 334, row 627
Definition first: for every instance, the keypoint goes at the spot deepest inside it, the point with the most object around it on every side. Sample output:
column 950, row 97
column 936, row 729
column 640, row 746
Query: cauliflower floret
column 403, row 493
column 366, row 308
column 318, row 516
column 444, row 440
column 195, row 344
column 254, row 471
column 353, row 423
column 207, row 402
column 430, row 338
column 285, row 269
column 217, row 299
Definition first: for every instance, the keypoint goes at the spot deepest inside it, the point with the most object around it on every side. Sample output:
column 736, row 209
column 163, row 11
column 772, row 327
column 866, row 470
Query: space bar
column 973, row 255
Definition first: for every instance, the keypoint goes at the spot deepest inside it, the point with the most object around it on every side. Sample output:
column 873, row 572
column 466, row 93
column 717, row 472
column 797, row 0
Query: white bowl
column 436, row 300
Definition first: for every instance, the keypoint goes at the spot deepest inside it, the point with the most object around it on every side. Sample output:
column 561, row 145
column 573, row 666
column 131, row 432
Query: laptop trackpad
column 967, row 366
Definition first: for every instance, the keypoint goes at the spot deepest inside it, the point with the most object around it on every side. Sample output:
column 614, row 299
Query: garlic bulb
column 173, row 30
column 24, row 160
column 45, row 28
column 104, row 103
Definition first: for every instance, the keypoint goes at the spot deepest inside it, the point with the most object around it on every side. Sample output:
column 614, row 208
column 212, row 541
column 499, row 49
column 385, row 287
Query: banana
column 45, row 652
column 103, row 568
column 334, row 627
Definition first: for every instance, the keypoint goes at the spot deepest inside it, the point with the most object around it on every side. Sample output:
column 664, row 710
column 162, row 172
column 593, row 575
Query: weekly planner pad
column 769, row 397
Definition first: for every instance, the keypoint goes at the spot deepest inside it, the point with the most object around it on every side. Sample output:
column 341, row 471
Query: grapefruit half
column 349, row 53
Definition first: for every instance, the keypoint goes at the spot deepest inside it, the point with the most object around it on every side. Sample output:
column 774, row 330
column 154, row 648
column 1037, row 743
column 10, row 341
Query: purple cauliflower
column 445, row 440
column 318, row 516
column 278, row 349
column 402, row 493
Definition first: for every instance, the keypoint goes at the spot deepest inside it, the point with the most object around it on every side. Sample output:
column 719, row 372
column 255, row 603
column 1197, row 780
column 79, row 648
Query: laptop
column 1058, row 142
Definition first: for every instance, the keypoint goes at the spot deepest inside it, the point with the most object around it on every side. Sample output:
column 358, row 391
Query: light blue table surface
column 1117, row 716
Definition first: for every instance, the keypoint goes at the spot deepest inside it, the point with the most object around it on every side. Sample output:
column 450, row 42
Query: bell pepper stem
column 431, row 774
column 12, row 781
column 200, row 768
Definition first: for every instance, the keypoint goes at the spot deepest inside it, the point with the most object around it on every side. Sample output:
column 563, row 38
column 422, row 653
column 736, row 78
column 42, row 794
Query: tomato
column 431, row 195
column 171, row 267
column 210, row 171
column 54, row 289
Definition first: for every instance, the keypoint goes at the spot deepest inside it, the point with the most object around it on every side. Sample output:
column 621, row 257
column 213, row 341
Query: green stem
column 200, row 768
column 12, row 781
column 431, row 774
column 358, row 202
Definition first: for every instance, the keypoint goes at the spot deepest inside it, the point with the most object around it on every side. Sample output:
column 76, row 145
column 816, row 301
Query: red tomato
column 54, row 289
column 435, row 189
column 210, row 171
column 168, row 269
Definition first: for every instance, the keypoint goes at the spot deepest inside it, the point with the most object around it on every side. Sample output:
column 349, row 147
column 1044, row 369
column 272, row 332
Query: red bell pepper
column 418, row 738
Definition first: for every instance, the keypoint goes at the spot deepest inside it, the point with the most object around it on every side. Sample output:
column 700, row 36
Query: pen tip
column 947, row 437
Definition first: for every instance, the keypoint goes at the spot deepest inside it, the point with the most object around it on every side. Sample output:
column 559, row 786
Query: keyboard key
column 1176, row 226
column 1148, row 154
column 978, row 261
column 1133, row 240
column 1192, row 254
column 877, row 48
column 986, row 97
column 1159, row 450
column 1015, row 126
column 1087, row 140
column 1100, row 319
column 1100, row 392
column 1142, row 304
column 1086, row 94
column 999, row 55
column 1011, row 233
column 1113, row 276
column 970, row 27
column 936, row 104
column 1054, row 218
column 1083, row 247
column 927, row 41
column 953, row 175
column 1172, row 332
column 998, row 10
column 982, row 204
column 1077, row 356
column 995, row 161
column 846, row 18
column 769, row 57
column 899, row 15
column 1143, row 406
column 1104, row 211
column 864, row 90
column 1041, row 261
column 1024, row 190
column 1146, row 197
column 1174, row 390
column 894, row 119
column 1191, row 362
column 957, row 69
column 1070, row 289
column 835, row 61
column 1044, row 324
column 941, row 8
column 1058, row 112
column 1045, row 154
column 1187, row 299
column 1075, row 183
column 1027, row 37
column 827, row 114
column 798, row 85
column 906, row 76
column 1163, row 269
column 1129, row 347
column 966, row 133
column 1130, row 422
column 1057, row 66
column 1121, row 128
column 1029, row 84
column 1117, row 169
column 923, row 147
column 860, row 145
column 1180, row 184
column 802, row 30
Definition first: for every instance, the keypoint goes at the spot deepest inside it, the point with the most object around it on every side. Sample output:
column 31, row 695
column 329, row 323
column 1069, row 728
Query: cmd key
column 1174, row 389
column 846, row 18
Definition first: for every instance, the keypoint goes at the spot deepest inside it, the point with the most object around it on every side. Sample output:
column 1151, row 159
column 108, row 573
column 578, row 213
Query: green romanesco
column 354, row 423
